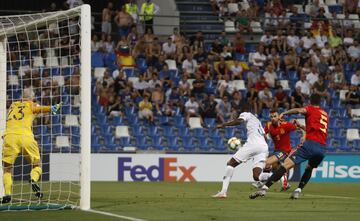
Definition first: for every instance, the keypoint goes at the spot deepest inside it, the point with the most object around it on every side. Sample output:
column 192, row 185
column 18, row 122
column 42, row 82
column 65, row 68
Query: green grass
column 191, row 201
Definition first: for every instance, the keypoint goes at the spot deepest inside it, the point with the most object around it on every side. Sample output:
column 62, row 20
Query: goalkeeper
column 19, row 138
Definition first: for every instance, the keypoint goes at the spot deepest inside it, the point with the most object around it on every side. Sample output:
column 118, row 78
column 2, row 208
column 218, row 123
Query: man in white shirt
column 169, row 48
column 255, row 149
column 192, row 109
column 355, row 78
column 304, row 85
column 266, row 99
column 354, row 50
column 226, row 86
column 348, row 40
column 308, row 40
column 270, row 76
column 292, row 39
column 189, row 65
column 313, row 76
column 266, row 38
column 259, row 57
column 141, row 84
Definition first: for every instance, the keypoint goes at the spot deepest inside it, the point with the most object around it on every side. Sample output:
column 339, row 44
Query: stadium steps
column 198, row 16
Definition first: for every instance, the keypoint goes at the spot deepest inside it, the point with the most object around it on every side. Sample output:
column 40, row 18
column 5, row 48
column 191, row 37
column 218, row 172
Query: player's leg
column 31, row 151
column 259, row 163
column 229, row 171
column 10, row 152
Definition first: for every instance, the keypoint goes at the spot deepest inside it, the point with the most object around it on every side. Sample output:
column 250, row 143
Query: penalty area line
column 113, row 215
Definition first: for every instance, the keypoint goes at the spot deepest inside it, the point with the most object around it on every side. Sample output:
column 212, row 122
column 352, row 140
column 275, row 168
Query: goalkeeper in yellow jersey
column 19, row 138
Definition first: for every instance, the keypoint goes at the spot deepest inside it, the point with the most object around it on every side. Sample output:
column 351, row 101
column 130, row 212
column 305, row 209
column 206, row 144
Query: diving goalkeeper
column 19, row 138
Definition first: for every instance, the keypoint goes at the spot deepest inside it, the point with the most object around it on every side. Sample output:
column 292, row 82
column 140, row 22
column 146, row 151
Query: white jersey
column 255, row 131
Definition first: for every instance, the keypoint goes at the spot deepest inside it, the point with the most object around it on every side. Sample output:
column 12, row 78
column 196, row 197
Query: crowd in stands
column 198, row 78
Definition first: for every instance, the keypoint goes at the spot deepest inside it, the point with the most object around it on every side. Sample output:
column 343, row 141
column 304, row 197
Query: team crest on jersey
column 282, row 131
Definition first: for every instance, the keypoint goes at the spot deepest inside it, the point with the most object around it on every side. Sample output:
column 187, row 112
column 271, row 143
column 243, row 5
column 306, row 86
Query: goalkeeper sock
column 305, row 178
column 35, row 173
column 7, row 183
column 226, row 180
column 276, row 176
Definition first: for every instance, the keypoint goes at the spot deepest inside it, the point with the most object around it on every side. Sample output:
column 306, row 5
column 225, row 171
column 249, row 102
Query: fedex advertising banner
column 337, row 168
column 149, row 167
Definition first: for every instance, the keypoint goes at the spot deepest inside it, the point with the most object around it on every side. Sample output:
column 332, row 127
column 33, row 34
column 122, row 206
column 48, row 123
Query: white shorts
column 257, row 152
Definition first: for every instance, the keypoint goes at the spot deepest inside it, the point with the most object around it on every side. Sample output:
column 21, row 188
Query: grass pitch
column 192, row 201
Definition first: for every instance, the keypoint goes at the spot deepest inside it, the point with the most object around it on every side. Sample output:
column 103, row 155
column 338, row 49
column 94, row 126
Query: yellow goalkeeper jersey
column 21, row 115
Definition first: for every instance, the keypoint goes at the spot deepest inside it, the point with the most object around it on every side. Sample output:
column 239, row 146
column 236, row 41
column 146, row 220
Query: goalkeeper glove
column 55, row 108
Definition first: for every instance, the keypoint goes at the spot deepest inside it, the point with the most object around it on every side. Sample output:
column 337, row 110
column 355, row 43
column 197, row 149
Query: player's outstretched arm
column 36, row 108
column 230, row 123
column 293, row 111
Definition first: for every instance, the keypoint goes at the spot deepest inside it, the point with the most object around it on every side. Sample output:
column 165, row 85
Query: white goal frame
column 85, row 91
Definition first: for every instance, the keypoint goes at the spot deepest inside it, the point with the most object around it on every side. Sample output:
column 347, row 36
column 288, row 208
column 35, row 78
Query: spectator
column 261, row 84
column 106, row 78
column 141, row 85
column 175, row 37
column 259, row 57
column 154, row 81
column 223, row 109
column 281, row 98
column 133, row 37
column 148, row 10
column 209, row 107
column 297, row 98
column 192, row 109
column 265, row 99
column 274, row 58
column 313, row 76
column 237, row 103
column 221, row 69
column 198, row 85
column 253, row 76
column 308, row 40
column 132, row 9
column 107, row 14
column 168, row 110
column 352, row 98
column 226, row 54
column 145, row 109
column 189, row 65
column 224, row 40
column 270, row 76
column 109, row 45
column 292, row 39
column 95, row 44
column 348, row 40
column 169, row 49
column 304, row 86
column 200, row 55
column 115, row 106
column 216, row 49
column 184, row 86
column 291, row 61
column 198, row 41
column 296, row 20
column 236, row 70
column 323, row 67
column 320, row 88
column 173, row 96
column 225, row 87
column 242, row 21
column 124, row 21
column 334, row 39
column 355, row 78
column 157, row 98
column 327, row 51
column 338, row 78
column 354, row 52
column 266, row 39
column 252, row 98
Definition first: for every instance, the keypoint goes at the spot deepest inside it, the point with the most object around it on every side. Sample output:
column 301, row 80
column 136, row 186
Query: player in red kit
column 279, row 131
column 312, row 150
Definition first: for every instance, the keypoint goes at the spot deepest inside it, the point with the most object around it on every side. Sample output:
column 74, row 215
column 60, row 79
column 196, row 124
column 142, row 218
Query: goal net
column 49, row 55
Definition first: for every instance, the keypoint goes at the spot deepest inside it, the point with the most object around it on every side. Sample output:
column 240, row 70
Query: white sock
column 226, row 180
column 264, row 176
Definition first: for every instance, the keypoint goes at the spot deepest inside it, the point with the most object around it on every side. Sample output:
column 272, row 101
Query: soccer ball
column 234, row 143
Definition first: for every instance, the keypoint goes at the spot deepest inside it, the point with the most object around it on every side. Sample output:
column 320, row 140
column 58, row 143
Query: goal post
column 50, row 53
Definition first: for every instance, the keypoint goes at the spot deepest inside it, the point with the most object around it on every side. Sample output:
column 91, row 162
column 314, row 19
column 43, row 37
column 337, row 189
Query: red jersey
column 280, row 135
column 316, row 120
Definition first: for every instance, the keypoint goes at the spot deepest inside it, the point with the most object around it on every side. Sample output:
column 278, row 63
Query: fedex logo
column 160, row 172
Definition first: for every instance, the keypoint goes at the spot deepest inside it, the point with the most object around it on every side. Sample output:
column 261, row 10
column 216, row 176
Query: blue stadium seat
column 137, row 130
column 357, row 146
column 141, row 64
column 117, row 121
column 57, row 129
column 97, row 60
column 141, row 143
column 240, row 57
column 75, row 110
column 129, row 111
column 152, row 131
column 173, row 144
column 164, row 74
column 338, row 9
column 214, row 133
column 229, row 132
column 163, row 120
column 157, row 143
column 210, row 122
column 183, row 131
column 110, row 142
column 66, row 109
column 329, row 146
column 129, row 72
column 133, row 120
column 55, row 119
column 168, row 131
column 293, row 76
column 75, row 140
column 75, row 130
column 41, row 129
column 218, row 144
column 204, row 144
column 106, row 130
column 334, row 113
column 188, row 144
column 125, row 141
column 95, row 145
column 198, row 133
column 110, row 61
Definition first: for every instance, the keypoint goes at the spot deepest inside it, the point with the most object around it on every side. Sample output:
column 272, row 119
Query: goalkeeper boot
column 296, row 194
column 36, row 189
column 6, row 199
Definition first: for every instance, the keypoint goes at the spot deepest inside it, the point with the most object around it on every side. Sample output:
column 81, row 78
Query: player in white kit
column 255, row 149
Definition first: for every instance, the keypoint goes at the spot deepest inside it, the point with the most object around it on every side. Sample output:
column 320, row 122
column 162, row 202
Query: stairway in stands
column 197, row 15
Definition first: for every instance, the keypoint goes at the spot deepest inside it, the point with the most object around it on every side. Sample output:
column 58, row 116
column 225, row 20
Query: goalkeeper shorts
column 14, row 144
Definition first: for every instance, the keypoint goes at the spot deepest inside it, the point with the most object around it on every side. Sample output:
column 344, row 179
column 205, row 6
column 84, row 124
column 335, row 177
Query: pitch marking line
column 325, row 196
column 114, row 215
